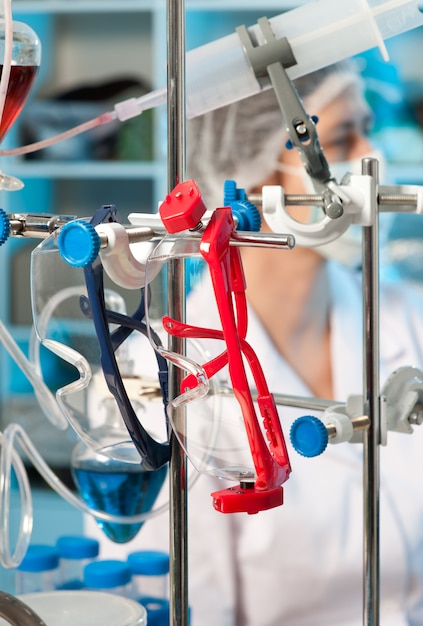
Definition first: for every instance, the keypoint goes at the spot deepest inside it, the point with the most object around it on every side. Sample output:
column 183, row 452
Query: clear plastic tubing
column 320, row 33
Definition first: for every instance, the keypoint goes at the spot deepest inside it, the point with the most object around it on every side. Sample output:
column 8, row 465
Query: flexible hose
column 45, row 398
column 10, row 459
column 104, row 118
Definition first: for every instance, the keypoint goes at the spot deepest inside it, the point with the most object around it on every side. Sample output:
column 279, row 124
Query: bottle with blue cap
column 150, row 581
column 110, row 576
column 38, row 570
column 75, row 552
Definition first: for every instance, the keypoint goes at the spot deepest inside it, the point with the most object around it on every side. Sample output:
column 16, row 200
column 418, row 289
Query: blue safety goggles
column 153, row 454
column 101, row 333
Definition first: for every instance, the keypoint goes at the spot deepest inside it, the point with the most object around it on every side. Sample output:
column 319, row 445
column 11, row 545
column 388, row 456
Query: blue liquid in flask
column 119, row 488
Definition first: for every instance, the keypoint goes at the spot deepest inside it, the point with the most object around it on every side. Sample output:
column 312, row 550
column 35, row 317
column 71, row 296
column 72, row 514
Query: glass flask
column 20, row 52
column 115, row 486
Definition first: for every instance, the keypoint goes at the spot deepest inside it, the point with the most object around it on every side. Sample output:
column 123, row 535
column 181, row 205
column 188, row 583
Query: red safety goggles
column 266, row 441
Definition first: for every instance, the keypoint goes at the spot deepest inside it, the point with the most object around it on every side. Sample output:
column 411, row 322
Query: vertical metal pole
column 371, row 398
column 176, row 295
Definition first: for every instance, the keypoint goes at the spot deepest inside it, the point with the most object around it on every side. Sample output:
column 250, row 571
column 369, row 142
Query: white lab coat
column 301, row 564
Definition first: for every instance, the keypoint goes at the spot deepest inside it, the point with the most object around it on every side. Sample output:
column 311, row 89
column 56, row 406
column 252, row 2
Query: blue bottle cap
column 76, row 547
column 309, row 436
column 106, row 574
column 149, row 563
column 39, row 558
column 79, row 243
column 157, row 610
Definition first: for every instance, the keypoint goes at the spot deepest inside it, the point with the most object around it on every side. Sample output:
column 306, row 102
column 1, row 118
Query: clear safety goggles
column 215, row 442
column 115, row 379
column 246, row 448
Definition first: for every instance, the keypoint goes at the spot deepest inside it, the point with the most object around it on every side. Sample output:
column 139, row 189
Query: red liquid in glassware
column 20, row 83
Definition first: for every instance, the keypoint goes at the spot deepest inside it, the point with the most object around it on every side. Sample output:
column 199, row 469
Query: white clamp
column 345, row 422
column 403, row 392
column 401, row 407
column 123, row 262
column 357, row 201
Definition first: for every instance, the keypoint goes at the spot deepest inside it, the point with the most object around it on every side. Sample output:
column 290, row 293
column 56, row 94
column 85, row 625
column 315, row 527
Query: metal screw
column 416, row 417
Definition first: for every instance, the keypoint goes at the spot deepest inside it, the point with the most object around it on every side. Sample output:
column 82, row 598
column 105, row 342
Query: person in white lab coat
column 301, row 564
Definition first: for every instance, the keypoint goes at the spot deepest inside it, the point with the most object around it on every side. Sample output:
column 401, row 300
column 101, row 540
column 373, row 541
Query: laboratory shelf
column 119, row 6
column 119, row 170
column 83, row 6
column 240, row 5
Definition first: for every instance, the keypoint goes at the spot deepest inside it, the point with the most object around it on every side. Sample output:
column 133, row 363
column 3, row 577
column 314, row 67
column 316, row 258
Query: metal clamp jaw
column 402, row 395
column 269, row 62
column 358, row 198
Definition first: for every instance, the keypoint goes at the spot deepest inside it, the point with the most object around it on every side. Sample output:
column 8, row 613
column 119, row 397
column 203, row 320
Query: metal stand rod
column 176, row 295
column 371, row 397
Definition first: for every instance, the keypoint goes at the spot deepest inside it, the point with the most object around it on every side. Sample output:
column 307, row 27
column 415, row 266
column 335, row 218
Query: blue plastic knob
column 246, row 213
column 4, row 227
column 309, row 436
column 79, row 243
column 231, row 192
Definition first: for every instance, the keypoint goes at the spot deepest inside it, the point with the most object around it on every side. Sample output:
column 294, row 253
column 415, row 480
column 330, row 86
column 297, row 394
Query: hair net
column 243, row 141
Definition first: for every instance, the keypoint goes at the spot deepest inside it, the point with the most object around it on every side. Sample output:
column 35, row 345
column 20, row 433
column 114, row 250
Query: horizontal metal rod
column 238, row 239
column 313, row 404
column 42, row 226
column 358, row 423
column 386, row 202
column 35, row 225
